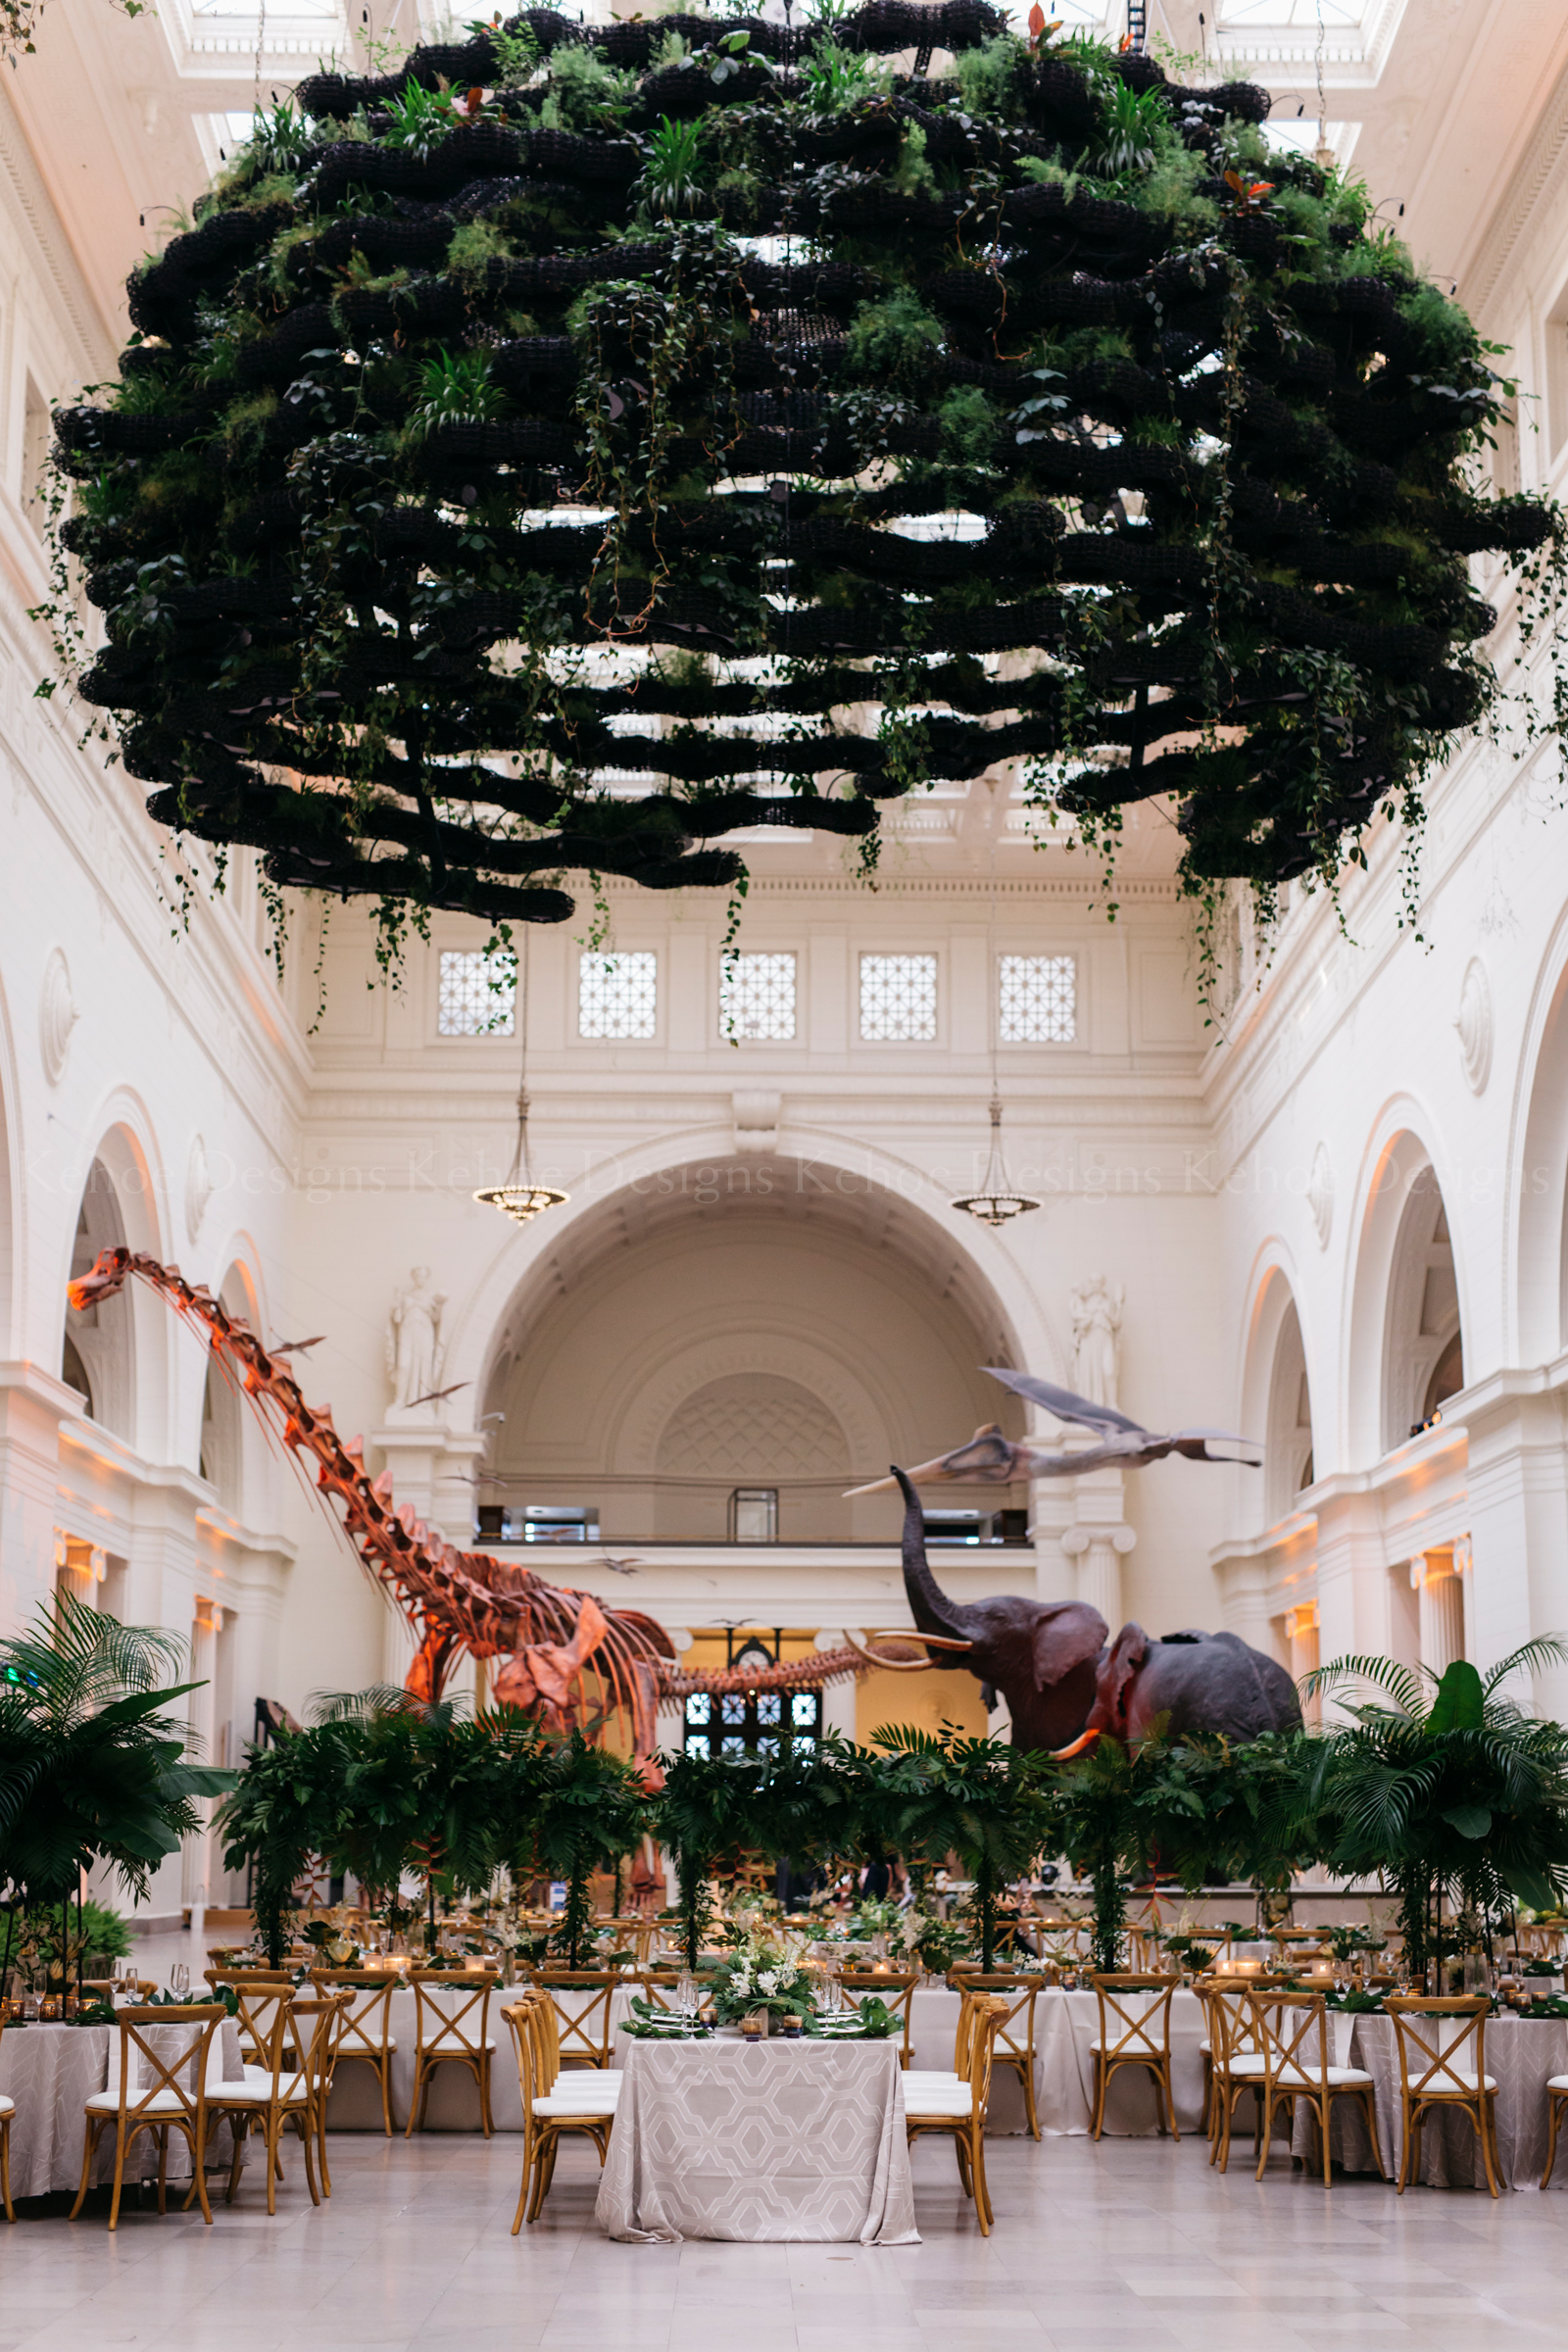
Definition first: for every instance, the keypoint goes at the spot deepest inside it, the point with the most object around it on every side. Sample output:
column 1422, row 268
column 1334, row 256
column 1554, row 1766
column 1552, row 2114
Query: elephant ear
column 1117, row 1676
column 1068, row 1635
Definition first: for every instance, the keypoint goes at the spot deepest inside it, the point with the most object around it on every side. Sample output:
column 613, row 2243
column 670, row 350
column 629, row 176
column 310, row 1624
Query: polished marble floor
column 1132, row 2246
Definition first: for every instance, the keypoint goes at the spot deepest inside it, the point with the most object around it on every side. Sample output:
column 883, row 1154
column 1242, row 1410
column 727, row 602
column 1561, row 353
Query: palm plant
column 1444, row 1787
column 92, row 1768
column 977, row 1798
column 592, row 1808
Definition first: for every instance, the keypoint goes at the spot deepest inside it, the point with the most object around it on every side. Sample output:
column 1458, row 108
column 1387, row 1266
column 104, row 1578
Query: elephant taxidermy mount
column 1066, row 1682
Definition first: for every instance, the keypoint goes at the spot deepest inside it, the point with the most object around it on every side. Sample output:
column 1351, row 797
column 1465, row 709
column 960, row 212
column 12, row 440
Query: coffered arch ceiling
column 742, row 1326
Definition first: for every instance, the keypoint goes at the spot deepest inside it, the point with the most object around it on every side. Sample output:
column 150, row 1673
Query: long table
column 1066, row 2024
column 797, row 2141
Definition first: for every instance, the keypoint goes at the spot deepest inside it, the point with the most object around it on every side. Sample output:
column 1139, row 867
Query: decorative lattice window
column 752, row 1722
column 1038, row 999
column 757, row 997
column 478, row 994
column 618, row 996
column 897, row 999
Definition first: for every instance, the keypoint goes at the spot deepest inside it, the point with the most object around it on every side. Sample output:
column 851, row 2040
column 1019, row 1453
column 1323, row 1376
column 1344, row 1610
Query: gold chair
column 445, row 2037
column 586, row 2034
column 1292, row 2040
column 893, row 1986
column 1141, row 2037
column 959, row 2110
column 274, row 2092
column 1016, row 2045
column 161, row 2105
column 366, row 2037
column 8, row 2108
column 1439, row 2078
column 548, row 2113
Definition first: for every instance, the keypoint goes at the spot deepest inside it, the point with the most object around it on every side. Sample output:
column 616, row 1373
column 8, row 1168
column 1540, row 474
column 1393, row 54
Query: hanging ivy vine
column 588, row 441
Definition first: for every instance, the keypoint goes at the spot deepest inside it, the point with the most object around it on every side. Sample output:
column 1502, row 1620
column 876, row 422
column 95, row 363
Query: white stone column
column 838, row 1698
column 33, row 1406
column 432, row 1471
column 1436, row 1578
column 1099, row 1552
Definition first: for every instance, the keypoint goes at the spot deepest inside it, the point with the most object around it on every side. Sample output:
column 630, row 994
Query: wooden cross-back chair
column 1137, row 2036
column 894, row 1988
column 1231, row 2055
column 366, row 2037
column 276, row 2092
column 957, row 2109
column 1291, row 2034
column 146, row 2093
column 584, row 2027
column 1437, row 2075
column 453, row 2010
column 1018, row 1990
column 551, row 2109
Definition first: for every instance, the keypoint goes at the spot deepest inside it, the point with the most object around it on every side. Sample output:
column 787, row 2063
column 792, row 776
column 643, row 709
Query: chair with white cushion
column 366, row 2037
column 553, row 2105
column 273, row 2092
column 958, row 2109
column 1438, row 2073
column 452, row 2007
column 584, row 2000
column 157, row 2085
column 1134, row 2031
column 1293, row 2038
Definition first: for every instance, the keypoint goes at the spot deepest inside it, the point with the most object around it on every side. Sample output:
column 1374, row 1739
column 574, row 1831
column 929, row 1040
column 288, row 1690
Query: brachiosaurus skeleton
column 548, row 1635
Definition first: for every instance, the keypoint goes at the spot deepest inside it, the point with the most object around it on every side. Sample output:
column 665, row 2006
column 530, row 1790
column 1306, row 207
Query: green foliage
column 1132, row 134
column 454, row 388
column 941, row 1793
column 585, row 93
column 985, row 77
column 893, row 342
column 93, row 1767
column 1445, row 1789
column 672, row 174
column 418, row 117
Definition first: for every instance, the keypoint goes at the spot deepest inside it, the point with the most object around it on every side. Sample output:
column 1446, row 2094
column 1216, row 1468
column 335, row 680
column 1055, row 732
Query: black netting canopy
column 589, row 441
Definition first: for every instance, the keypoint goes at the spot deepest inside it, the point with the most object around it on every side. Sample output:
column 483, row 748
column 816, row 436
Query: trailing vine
column 578, row 445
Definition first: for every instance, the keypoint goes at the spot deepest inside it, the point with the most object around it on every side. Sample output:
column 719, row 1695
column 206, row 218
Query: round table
column 51, row 2071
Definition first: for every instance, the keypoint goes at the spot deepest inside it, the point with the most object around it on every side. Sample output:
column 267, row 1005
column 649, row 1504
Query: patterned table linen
column 51, row 2071
column 1521, row 2055
column 795, row 2140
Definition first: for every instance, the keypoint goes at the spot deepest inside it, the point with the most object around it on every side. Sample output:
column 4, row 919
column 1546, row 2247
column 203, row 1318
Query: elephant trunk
column 933, row 1611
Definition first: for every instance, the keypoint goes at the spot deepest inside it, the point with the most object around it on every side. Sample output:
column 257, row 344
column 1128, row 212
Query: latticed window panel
column 751, row 1723
column 618, row 996
column 1038, row 999
column 478, row 994
column 757, row 997
column 897, row 999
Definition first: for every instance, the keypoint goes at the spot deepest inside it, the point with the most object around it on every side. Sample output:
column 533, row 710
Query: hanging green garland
column 589, row 441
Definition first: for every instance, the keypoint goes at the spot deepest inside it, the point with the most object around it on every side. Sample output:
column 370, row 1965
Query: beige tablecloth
column 51, row 2071
column 797, row 2140
column 1521, row 2054
column 1066, row 2024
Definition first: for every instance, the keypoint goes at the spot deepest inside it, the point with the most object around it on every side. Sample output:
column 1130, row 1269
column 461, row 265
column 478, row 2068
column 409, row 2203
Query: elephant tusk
column 1084, row 1741
column 887, row 1665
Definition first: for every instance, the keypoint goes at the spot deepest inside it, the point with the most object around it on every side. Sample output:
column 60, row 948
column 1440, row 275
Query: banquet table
column 51, row 2071
column 801, row 2141
column 1521, row 2054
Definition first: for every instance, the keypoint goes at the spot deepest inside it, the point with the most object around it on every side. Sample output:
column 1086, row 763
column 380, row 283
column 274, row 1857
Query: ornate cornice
column 1527, row 192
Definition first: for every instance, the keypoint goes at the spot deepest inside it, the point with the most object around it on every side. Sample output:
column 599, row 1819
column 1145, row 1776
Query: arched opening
column 1423, row 1361
column 97, row 1354
column 1289, row 1440
column 710, row 1346
column 1539, row 1188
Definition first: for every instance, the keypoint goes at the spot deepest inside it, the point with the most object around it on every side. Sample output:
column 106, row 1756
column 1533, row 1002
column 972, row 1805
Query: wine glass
column 180, row 1980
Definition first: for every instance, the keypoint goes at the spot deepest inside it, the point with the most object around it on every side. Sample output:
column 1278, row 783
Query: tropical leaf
column 1460, row 1704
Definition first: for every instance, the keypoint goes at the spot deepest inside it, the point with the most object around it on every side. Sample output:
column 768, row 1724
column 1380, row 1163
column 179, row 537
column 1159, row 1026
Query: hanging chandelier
column 997, row 1201
column 518, row 1197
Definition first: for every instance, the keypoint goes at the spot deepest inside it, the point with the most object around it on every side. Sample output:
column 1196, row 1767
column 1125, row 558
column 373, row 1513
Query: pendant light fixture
column 998, row 1201
column 518, row 1197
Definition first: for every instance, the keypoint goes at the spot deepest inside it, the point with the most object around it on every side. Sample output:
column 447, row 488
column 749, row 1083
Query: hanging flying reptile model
column 547, row 1638
column 990, row 1459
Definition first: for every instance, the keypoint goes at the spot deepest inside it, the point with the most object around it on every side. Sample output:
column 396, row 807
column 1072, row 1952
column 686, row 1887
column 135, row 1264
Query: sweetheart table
column 799, row 2140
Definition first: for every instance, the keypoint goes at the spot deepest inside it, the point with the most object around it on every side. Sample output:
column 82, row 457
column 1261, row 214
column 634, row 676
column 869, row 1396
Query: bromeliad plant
column 1445, row 1789
column 483, row 396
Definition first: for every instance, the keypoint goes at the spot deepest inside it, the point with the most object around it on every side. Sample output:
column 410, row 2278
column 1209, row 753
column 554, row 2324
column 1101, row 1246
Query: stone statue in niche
column 1096, row 1328
column 414, row 1354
